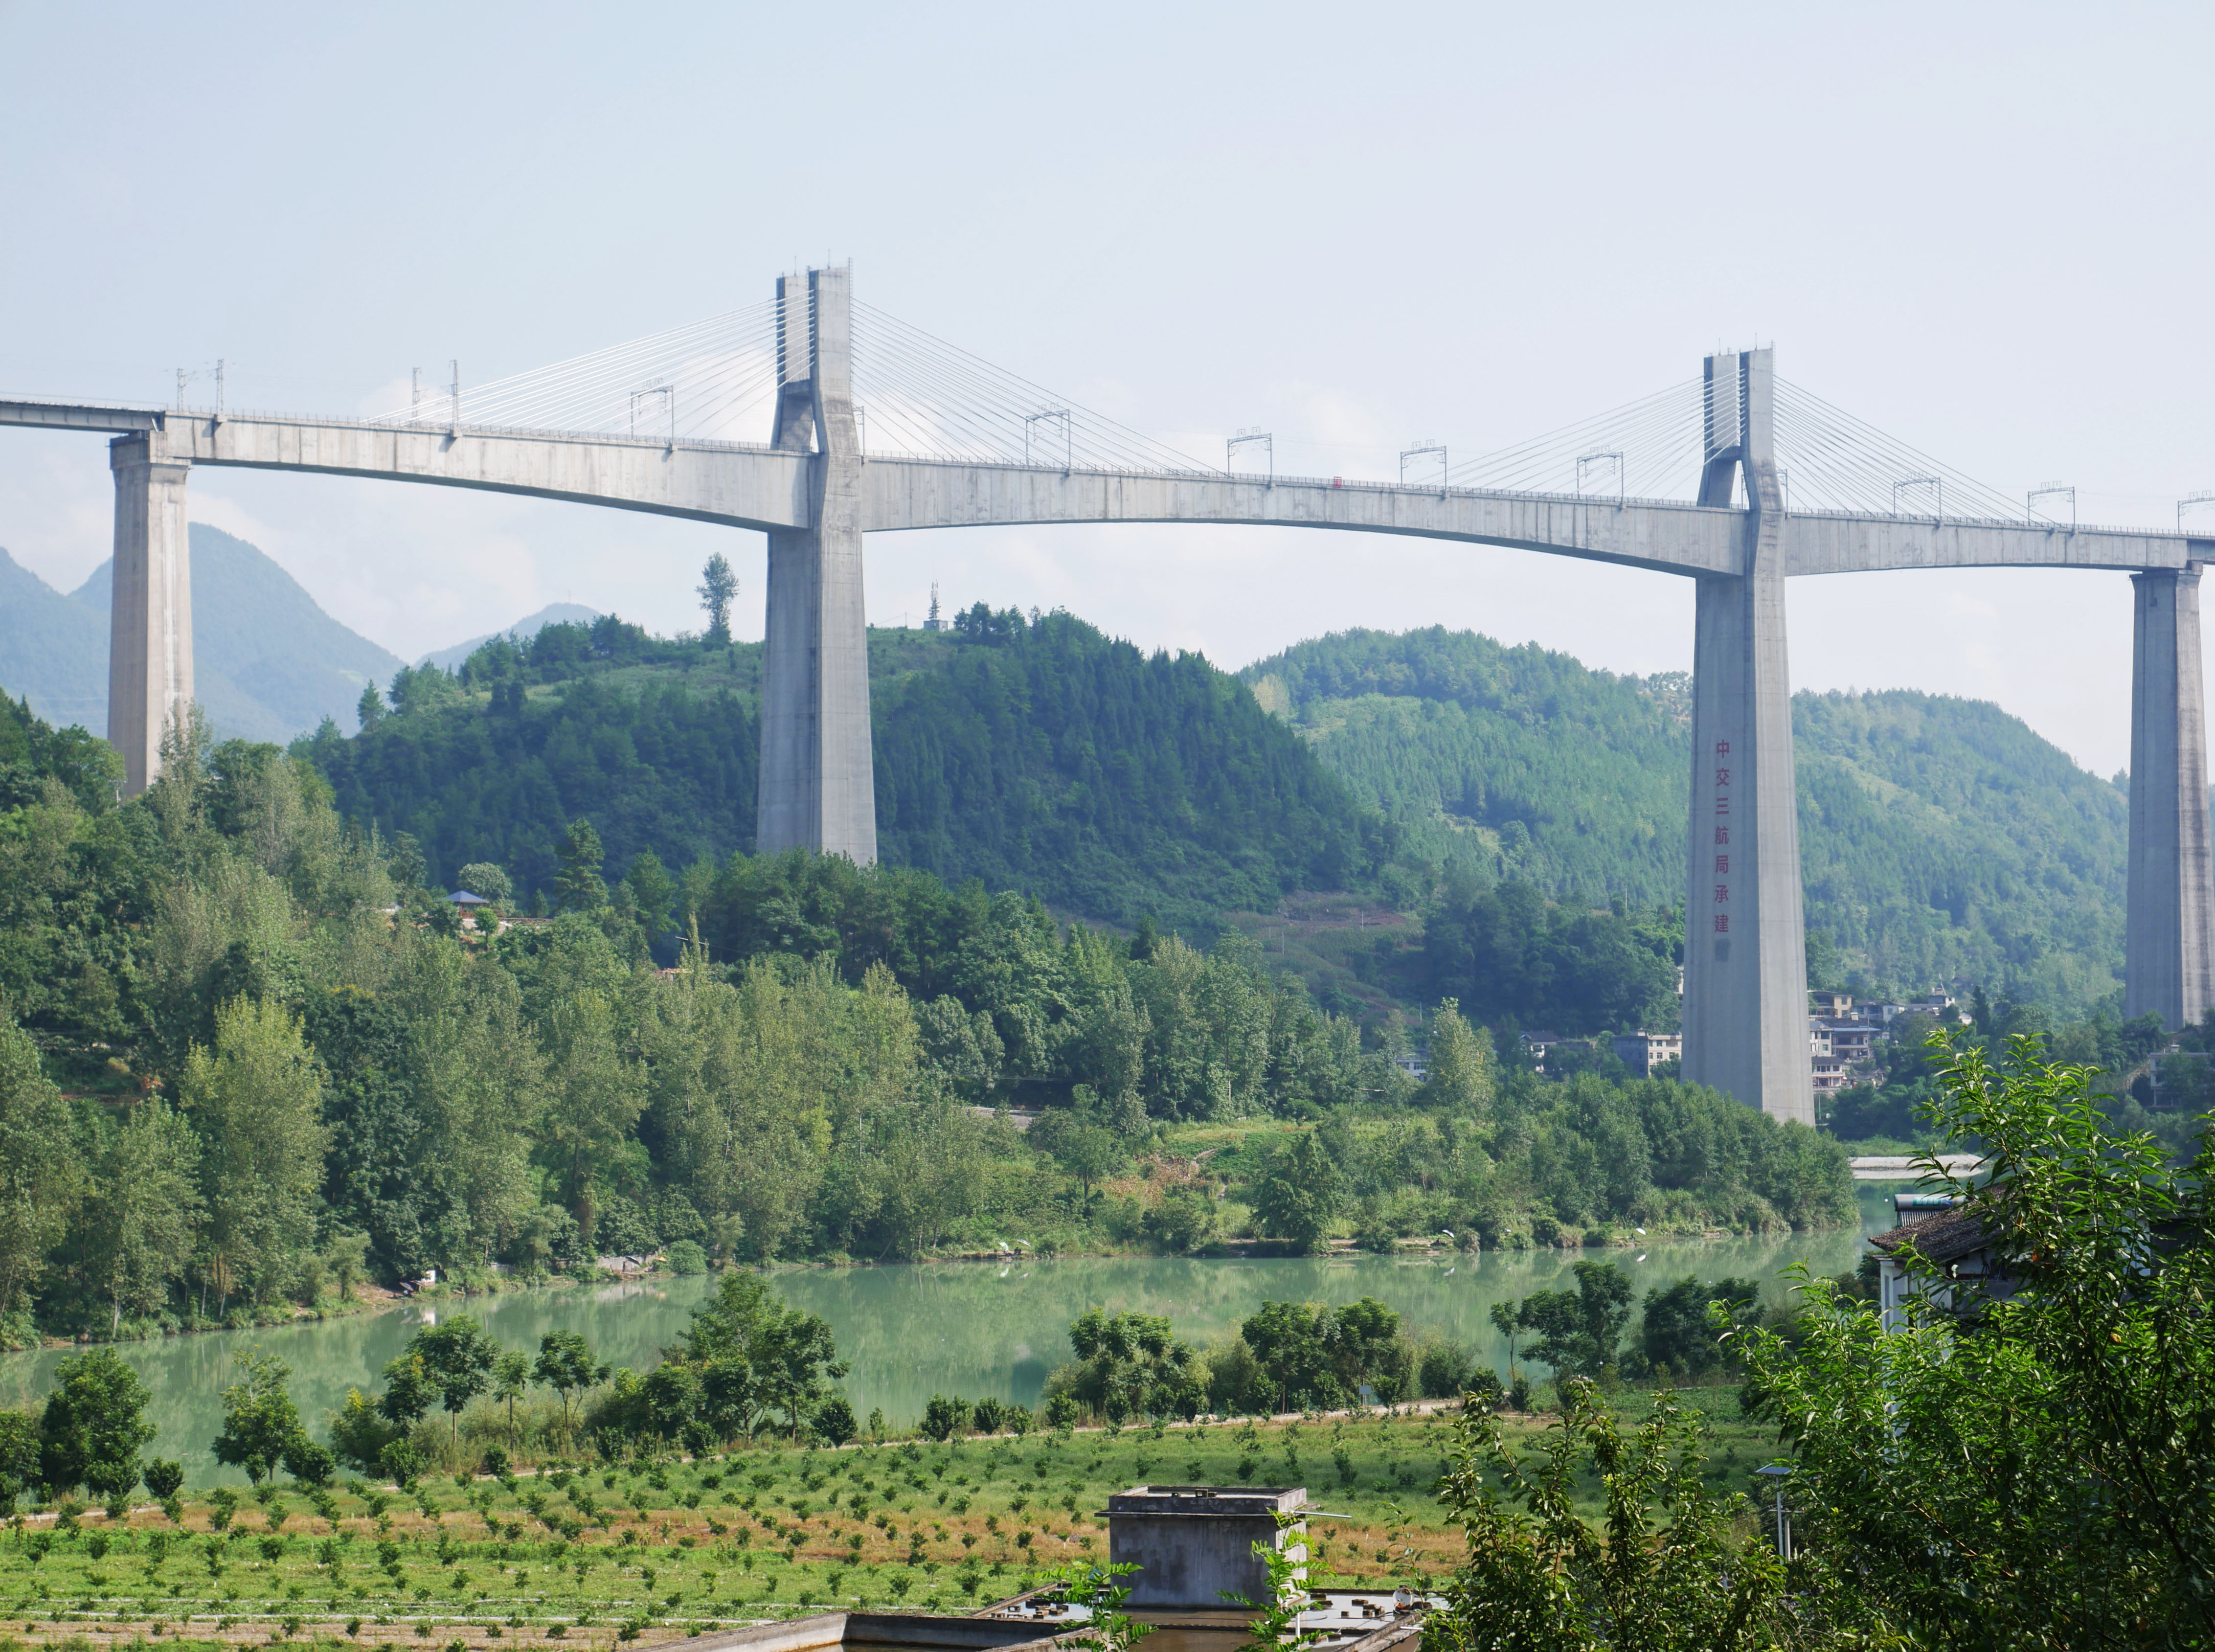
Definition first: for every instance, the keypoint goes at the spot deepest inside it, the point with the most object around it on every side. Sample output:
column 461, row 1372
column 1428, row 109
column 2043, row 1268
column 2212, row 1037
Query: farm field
column 574, row 1556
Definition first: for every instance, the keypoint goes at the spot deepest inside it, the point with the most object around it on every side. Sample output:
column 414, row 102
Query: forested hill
column 1941, row 839
column 1041, row 756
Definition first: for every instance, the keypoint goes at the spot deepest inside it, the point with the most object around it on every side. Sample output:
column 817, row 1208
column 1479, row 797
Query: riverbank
column 996, row 1326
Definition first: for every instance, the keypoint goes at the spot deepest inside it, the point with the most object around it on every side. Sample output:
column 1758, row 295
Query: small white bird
column 1641, row 1255
column 1640, row 1231
column 1447, row 1275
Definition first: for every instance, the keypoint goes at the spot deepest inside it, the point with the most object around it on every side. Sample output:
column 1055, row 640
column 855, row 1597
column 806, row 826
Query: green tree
column 1090, row 1153
column 141, row 1218
column 1291, row 1343
column 457, row 1358
column 165, row 1477
column 370, row 709
column 945, row 1417
column 834, row 1419
column 1509, row 1323
column 566, row 1364
column 1132, row 1363
column 19, row 1458
column 256, row 1102
column 1299, row 1196
column 1676, row 1336
column 593, row 1098
column 1579, row 1330
column 409, row 1388
column 578, row 886
column 775, row 1358
column 92, row 1424
column 260, row 1421
column 718, row 586
column 1661, row 1569
column 654, row 892
column 511, row 1379
column 1458, row 1077
column 488, row 882
column 2038, row 1439
column 41, row 1159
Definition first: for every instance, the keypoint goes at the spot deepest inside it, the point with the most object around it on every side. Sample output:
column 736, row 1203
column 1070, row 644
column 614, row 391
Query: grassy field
column 649, row 1552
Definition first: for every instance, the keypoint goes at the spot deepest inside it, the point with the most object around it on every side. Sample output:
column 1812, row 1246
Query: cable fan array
column 714, row 380
column 918, row 397
column 922, row 397
column 1647, row 449
column 1832, row 460
column 1654, row 449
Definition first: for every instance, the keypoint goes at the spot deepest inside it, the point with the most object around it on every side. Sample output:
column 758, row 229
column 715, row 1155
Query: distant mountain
column 1942, row 839
column 53, row 651
column 267, row 663
column 553, row 613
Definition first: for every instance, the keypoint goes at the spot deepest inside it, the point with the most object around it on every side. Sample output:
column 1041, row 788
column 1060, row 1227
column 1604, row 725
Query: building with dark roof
column 1958, row 1241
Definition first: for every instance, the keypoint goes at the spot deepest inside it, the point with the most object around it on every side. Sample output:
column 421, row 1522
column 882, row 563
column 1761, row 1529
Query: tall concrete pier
column 2169, row 920
column 1746, row 970
column 817, row 786
column 150, row 648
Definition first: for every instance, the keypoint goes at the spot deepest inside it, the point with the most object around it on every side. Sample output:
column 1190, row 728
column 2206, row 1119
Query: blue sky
column 1982, row 228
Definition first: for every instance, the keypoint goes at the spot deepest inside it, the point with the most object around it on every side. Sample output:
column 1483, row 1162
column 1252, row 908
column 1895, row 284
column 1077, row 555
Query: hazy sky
column 1985, row 229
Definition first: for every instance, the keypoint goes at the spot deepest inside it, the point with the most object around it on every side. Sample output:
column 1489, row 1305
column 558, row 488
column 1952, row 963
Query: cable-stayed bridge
column 1737, row 479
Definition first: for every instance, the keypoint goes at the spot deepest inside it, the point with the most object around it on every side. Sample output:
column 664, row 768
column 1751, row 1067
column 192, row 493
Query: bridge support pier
column 149, row 646
column 2169, row 957
column 1745, row 967
column 818, row 781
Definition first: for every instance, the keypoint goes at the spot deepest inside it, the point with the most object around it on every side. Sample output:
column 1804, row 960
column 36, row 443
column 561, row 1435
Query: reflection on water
column 954, row 1328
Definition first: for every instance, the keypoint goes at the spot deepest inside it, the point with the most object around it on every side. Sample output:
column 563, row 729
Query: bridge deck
column 749, row 487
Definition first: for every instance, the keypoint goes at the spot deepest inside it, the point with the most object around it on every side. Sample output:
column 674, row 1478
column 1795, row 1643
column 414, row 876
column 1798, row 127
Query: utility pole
column 454, row 427
column 1601, row 458
column 1068, row 447
column 218, row 387
column 1777, row 1474
column 1420, row 448
column 1246, row 438
column 2052, row 489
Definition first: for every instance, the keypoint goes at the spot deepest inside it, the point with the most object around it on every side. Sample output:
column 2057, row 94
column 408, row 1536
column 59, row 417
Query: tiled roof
column 1942, row 1236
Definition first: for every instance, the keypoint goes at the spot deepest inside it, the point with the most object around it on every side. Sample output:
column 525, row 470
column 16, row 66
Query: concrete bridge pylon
column 1746, row 964
column 817, row 786
column 2169, row 943
column 149, row 646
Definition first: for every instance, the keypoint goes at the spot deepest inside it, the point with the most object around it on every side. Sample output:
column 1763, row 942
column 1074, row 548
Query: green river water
column 913, row 1330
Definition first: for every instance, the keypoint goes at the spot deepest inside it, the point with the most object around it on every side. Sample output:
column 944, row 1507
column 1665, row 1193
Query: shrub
column 686, row 1258
column 943, row 1418
column 1443, row 1369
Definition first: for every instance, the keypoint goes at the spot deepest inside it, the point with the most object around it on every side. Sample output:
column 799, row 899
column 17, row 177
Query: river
column 912, row 1330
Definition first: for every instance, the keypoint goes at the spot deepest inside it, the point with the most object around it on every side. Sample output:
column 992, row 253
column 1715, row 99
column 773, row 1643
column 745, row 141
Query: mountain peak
column 268, row 662
column 553, row 613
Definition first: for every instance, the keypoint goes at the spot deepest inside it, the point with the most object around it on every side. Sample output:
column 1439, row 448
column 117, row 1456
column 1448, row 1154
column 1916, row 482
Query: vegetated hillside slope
column 268, row 662
column 1941, row 839
column 1043, row 757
